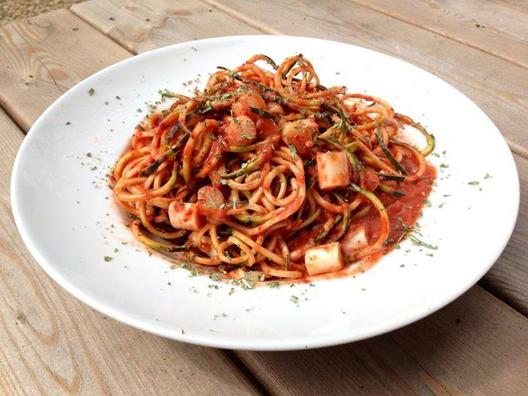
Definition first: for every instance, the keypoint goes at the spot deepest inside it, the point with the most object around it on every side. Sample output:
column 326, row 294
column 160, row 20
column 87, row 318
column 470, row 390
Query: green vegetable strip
column 268, row 60
column 248, row 167
column 242, row 149
column 161, row 247
column 345, row 223
column 430, row 139
column 388, row 154
column 390, row 177
column 262, row 113
column 172, row 133
column 352, row 146
column 309, row 220
column 389, row 190
column 353, row 161
column 327, row 227
column 384, row 220
column 171, row 152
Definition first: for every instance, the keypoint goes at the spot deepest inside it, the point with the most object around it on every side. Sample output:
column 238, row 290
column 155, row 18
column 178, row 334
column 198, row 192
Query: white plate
column 65, row 214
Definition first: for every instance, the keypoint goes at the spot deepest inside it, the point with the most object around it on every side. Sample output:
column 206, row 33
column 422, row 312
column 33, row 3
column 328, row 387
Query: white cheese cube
column 323, row 259
column 354, row 240
column 333, row 170
column 185, row 216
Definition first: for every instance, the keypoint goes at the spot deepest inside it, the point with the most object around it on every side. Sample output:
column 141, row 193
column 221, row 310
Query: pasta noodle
column 267, row 172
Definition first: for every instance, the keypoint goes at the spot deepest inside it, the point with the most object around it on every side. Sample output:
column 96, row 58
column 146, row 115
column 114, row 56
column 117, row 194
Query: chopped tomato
column 300, row 134
column 242, row 106
column 370, row 180
column 266, row 127
column 241, row 131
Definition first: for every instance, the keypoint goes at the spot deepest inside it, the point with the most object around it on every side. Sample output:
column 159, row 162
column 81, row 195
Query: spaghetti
column 268, row 173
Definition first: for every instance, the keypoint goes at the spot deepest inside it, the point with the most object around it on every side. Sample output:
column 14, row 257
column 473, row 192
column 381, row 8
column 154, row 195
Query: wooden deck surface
column 50, row 343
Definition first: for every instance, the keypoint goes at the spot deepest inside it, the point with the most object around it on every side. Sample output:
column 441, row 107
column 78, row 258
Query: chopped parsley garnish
column 294, row 299
column 247, row 284
column 293, row 151
column 91, row 91
column 274, row 284
column 473, row 183
column 165, row 93
column 107, row 258
column 215, row 277
column 419, row 242
column 487, row 176
column 247, row 136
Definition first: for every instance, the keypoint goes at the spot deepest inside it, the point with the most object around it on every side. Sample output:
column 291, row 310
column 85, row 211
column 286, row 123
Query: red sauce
column 403, row 213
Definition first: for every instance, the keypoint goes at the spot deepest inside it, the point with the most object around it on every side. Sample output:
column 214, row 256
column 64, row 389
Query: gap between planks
column 381, row 10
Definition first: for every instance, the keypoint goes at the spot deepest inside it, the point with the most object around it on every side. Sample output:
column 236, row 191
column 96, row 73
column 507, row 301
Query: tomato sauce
column 403, row 211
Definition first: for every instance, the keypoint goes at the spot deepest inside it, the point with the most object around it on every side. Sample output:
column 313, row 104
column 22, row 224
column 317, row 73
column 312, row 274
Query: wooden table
column 51, row 343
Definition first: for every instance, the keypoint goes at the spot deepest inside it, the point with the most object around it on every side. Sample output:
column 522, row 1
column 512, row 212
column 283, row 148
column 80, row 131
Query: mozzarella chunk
column 354, row 240
column 323, row 259
column 332, row 170
column 185, row 216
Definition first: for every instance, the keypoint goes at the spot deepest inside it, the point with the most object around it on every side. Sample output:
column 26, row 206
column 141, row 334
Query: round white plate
column 69, row 222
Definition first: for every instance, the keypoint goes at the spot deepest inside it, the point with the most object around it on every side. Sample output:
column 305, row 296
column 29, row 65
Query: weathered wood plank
column 42, row 57
column 499, row 87
column 508, row 278
column 50, row 343
column 476, row 345
column 483, row 353
column 141, row 26
column 490, row 25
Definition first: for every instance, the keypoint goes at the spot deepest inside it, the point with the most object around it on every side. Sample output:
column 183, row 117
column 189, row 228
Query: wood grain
column 508, row 278
column 476, row 345
column 140, row 26
column 51, row 343
column 499, row 87
column 489, row 26
column 42, row 57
